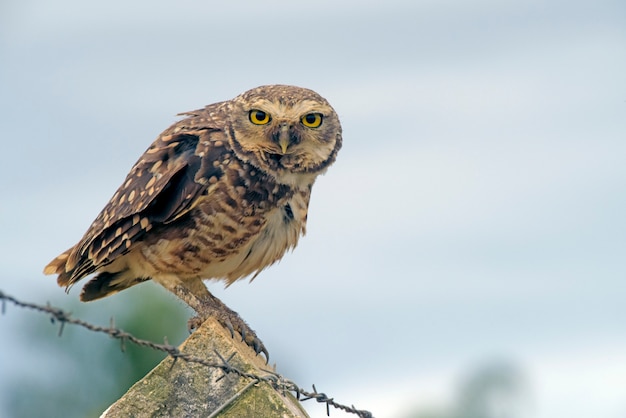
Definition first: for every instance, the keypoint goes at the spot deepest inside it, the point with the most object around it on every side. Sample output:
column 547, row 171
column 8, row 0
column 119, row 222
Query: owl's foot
column 196, row 295
column 230, row 320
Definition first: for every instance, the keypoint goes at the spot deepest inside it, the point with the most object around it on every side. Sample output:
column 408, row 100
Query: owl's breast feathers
column 190, row 203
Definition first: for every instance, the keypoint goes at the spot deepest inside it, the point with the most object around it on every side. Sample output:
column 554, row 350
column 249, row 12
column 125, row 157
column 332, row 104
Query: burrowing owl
column 221, row 194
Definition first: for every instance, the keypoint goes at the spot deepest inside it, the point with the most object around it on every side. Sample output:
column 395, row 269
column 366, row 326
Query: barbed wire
column 277, row 381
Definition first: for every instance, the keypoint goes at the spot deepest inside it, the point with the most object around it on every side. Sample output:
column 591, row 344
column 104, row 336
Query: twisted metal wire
column 277, row 381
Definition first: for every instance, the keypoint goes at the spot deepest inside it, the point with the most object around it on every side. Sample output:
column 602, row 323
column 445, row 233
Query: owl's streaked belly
column 219, row 248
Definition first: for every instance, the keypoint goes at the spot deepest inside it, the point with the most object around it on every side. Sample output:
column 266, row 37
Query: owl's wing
column 163, row 185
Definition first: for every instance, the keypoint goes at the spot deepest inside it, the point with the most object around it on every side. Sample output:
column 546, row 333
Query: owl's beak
column 284, row 139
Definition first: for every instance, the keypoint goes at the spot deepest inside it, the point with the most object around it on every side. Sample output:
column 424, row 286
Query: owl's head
column 289, row 132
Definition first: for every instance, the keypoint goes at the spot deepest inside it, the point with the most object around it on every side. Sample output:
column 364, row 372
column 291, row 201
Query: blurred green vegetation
column 90, row 370
column 495, row 389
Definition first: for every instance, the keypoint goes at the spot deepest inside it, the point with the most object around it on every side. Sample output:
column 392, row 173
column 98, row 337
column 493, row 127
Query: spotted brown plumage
column 221, row 194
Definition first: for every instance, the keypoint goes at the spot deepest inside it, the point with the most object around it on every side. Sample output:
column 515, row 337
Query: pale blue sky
column 476, row 210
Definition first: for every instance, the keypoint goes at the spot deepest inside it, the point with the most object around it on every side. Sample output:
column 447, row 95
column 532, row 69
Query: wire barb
column 275, row 380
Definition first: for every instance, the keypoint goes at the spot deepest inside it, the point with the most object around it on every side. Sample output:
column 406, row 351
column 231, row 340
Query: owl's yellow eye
column 312, row 120
column 259, row 117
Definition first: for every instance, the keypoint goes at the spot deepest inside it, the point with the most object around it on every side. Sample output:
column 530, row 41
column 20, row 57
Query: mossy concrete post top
column 184, row 389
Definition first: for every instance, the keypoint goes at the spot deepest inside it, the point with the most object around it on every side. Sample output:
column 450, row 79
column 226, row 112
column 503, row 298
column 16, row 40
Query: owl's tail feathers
column 105, row 284
column 70, row 267
column 59, row 266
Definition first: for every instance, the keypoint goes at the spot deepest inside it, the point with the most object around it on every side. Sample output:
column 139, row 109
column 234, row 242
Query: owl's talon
column 260, row 348
column 194, row 323
column 233, row 322
column 229, row 327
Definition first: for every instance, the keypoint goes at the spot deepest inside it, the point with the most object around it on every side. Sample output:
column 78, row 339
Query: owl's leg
column 195, row 294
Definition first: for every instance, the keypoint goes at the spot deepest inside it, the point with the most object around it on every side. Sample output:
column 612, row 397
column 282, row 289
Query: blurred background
column 465, row 256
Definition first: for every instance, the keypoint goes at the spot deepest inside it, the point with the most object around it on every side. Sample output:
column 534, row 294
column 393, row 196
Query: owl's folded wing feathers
column 162, row 186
